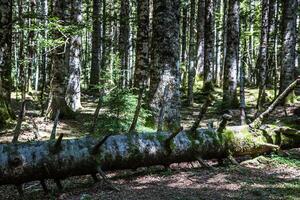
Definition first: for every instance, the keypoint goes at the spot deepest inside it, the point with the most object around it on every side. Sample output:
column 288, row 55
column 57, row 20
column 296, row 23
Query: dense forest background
column 123, row 84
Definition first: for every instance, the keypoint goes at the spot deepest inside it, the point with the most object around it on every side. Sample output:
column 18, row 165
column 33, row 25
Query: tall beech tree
column 288, row 52
column 142, row 45
column 73, row 92
column 6, row 11
column 209, row 40
column 124, row 42
column 200, row 36
column 262, row 61
column 191, row 63
column 165, row 76
column 60, row 66
column 231, row 57
column 96, row 46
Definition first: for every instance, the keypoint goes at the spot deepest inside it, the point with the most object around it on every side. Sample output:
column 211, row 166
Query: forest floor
column 275, row 176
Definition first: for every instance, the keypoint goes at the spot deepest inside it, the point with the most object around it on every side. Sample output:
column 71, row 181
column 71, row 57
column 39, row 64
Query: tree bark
column 209, row 40
column 184, row 21
column 5, row 60
column 200, row 36
column 231, row 58
column 165, row 62
column 142, row 45
column 262, row 61
column 73, row 93
column 124, row 42
column 191, row 64
column 96, row 47
column 59, row 68
column 288, row 51
column 21, row 163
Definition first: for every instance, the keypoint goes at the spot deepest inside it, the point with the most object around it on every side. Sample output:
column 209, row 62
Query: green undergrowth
column 120, row 108
column 291, row 160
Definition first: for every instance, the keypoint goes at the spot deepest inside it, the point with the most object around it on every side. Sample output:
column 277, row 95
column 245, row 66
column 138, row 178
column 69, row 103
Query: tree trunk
column 44, row 13
column 59, row 68
column 200, row 36
column 103, row 69
column 224, row 37
column 96, row 47
column 73, row 92
column 209, row 40
column 231, row 57
column 21, row 163
column 124, row 42
column 165, row 72
column 5, row 60
column 251, row 50
column 288, row 51
column 262, row 60
column 31, row 46
column 184, row 22
column 22, row 74
column 191, row 64
column 142, row 45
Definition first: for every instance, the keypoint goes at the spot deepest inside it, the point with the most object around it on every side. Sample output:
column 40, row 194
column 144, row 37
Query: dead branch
column 259, row 120
column 53, row 132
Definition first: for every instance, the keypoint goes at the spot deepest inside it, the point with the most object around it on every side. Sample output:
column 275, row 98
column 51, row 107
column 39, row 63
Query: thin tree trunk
column 191, row 64
column 22, row 74
column 73, row 93
column 44, row 13
column 200, row 36
column 124, row 42
column 262, row 61
column 96, row 47
column 142, row 45
column 209, row 40
column 224, row 37
column 184, row 22
column 231, row 59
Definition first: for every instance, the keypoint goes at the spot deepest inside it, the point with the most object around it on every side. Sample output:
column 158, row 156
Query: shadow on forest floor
column 263, row 178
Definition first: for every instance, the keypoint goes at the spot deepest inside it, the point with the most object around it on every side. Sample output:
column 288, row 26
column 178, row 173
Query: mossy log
column 59, row 159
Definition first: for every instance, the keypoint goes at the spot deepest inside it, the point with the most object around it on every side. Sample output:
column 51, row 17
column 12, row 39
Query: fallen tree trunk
column 25, row 162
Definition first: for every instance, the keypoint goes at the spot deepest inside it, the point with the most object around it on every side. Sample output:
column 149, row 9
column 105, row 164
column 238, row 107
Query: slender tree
column 124, row 42
column 21, row 56
column 191, row 64
column 209, row 40
column 142, row 45
column 165, row 75
column 231, row 58
column 96, row 46
column 262, row 61
column 184, row 22
column 200, row 36
column 44, row 64
column 73, row 92
column 103, row 68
